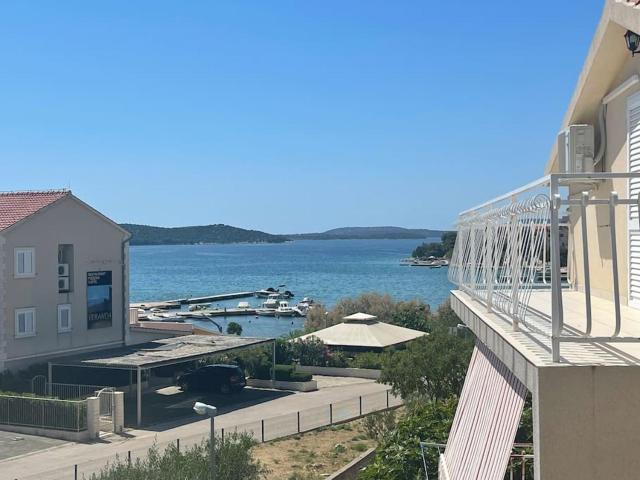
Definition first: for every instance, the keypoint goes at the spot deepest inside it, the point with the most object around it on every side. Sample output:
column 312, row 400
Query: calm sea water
column 325, row 270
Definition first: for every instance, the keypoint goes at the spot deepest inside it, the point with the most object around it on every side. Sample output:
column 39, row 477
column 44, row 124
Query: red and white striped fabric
column 486, row 421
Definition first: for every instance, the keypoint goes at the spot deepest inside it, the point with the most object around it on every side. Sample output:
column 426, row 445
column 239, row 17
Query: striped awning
column 486, row 421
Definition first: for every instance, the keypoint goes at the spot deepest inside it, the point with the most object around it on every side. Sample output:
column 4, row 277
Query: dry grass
column 313, row 455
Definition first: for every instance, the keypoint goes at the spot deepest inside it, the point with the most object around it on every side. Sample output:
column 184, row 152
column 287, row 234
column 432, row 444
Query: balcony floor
column 533, row 340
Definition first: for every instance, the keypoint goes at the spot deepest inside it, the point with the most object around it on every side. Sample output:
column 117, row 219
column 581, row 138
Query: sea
column 324, row 270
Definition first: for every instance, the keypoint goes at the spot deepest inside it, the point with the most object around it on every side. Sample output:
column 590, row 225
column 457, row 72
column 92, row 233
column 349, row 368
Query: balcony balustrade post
column 514, row 241
column 556, row 285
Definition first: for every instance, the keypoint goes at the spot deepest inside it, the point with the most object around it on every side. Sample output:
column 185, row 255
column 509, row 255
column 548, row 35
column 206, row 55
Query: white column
column 93, row 417
column 586, row 423
column 118, row 412
column 139, row 397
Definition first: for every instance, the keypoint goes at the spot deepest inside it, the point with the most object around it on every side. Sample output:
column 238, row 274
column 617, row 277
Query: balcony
column 550, row 269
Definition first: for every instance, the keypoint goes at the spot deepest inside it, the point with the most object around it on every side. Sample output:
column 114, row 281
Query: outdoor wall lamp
column 633, row 41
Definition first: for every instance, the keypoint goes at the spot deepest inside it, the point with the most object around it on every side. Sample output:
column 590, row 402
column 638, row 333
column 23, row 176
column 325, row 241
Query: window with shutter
column 633, row 137
column 64, row 318
column 25, row 261
column 25, row 322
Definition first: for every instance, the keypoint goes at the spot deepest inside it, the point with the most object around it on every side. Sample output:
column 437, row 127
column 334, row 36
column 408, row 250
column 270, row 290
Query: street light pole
column 211, row 412
column 212, row 444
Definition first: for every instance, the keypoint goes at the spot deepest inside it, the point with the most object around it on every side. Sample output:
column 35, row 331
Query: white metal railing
column 43, row 412
column 63, row 391
column 516, row 243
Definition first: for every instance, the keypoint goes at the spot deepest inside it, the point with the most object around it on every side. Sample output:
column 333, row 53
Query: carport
column 159, row 353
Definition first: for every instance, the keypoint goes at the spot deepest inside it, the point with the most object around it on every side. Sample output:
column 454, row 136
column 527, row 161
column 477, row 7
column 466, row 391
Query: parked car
column 213, row 378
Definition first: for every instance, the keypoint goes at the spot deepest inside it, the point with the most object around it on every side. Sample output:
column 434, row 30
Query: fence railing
column 63, row 391
column 43, row 413
column 316, row 417
column 519, row 467
column 266, row 429
column 515, row 244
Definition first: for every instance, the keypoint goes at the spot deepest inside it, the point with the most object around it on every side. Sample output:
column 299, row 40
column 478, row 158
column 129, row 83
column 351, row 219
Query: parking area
column 172, row 405
column 16, row 444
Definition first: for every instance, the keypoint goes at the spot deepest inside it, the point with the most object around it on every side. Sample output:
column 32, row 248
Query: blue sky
column 286, row 116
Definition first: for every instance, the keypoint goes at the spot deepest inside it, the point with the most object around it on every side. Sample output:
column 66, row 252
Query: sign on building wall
column 99, row 300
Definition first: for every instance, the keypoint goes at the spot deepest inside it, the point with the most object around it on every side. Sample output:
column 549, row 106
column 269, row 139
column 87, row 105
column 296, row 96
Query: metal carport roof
column 158, row 353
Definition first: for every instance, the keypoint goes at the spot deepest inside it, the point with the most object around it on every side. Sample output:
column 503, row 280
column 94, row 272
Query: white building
column 63, row 278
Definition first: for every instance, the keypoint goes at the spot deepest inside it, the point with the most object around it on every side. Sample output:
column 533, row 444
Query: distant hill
column 346, row 233
column 148, row 235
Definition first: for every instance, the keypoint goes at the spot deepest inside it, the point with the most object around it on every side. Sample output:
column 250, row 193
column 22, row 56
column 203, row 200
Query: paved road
column 14, row 444
column 57, row 463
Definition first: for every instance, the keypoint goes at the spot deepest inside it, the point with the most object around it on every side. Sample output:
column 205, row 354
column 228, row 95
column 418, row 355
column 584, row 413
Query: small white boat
column 266, row 312
column 271, row 304
column 243, row 306
column 284, row 310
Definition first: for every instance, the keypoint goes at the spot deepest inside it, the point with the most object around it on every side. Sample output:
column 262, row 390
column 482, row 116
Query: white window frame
column 62, row 307
column 24, row 250
column 20, row 311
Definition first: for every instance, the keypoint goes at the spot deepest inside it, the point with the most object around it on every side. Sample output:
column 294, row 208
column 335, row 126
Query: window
column 25, row 322
column 25, row 262
column 64, row 318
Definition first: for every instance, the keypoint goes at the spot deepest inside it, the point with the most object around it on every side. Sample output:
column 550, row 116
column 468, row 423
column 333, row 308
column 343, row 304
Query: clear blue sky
column 286, row 116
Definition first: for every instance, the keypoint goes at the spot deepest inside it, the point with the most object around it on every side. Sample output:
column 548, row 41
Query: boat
column 265, row 292
column 266, row 312
column 243, row 305
column 284, row 310
column 270, row 292
column 199, row 306
column 271, row 303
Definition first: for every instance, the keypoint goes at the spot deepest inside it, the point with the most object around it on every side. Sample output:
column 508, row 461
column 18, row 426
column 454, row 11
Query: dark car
column 213, row 378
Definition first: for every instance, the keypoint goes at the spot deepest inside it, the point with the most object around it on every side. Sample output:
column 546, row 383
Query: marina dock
column 176, row 304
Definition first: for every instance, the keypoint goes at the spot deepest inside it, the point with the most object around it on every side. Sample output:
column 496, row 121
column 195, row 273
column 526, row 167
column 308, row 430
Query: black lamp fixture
column 633, row 41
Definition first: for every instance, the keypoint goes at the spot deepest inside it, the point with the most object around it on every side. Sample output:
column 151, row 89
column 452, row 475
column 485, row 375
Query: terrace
column 544, row 269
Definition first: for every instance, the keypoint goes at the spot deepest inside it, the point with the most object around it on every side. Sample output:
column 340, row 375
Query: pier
column 176, row 304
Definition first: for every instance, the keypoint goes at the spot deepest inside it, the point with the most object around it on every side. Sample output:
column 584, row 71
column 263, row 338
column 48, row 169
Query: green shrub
column 379, row 425
column 399, row 456
column 234, row 328
column 285, row 373
column 233, row 461
column 372, row 360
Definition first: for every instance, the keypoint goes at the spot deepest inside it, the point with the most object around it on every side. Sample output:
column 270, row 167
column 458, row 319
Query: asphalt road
column 58, row 463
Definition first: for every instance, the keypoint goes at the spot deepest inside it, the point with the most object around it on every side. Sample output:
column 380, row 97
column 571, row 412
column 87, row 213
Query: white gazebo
column 364, row 331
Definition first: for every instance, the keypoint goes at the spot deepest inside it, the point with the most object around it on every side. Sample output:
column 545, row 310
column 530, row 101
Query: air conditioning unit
column 576, row 147
column 63, row 269
column 63, row 284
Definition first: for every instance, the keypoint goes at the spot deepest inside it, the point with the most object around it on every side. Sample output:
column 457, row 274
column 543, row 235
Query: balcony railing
column 516, row 244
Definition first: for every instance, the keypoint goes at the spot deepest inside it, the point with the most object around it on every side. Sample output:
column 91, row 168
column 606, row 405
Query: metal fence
column 316, row 417
column 266, row 429
column 63, row 391
column 43, row 413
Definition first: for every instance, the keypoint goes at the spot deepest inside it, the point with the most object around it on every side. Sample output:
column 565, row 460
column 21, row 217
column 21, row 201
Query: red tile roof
column 16, row 206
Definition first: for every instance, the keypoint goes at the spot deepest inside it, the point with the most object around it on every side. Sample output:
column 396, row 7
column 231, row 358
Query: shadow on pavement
column 170, row 407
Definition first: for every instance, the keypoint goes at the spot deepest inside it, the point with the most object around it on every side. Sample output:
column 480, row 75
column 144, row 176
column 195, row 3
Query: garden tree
column 234, row 328
column 233, row 461
column 399, row 456
column 444, row 248
column 381, row 305
column 433, row 366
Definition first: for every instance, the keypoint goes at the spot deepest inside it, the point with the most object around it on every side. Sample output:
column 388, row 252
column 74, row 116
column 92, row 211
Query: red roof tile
column 16, row 206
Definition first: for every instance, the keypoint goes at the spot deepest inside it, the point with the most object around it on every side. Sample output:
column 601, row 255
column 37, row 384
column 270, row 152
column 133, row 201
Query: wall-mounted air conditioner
column 63, row 284
column 576, row 147
column 63, row 269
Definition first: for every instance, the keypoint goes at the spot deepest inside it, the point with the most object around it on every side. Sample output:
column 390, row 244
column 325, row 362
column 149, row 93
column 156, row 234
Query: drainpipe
column 123, row 285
